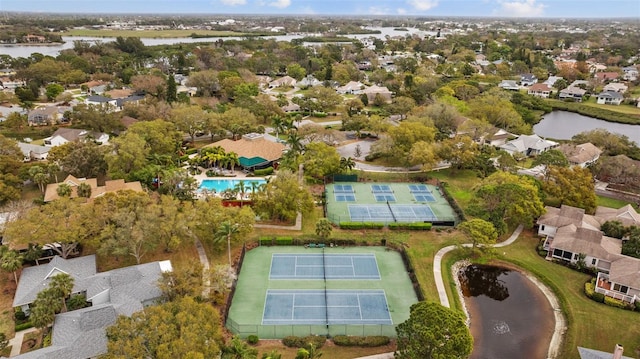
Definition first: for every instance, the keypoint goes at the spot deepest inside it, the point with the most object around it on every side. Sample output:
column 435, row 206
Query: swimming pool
column 220, row 185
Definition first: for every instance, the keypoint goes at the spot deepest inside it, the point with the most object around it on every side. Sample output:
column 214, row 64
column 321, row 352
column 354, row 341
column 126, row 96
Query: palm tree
column 63, row 284
column 53, row 169
column 233, row 159
column 272, row 355
column 63, row 190
column 11, row 261
column 44, row 308
column 33, row 253
column 226, row 231
column 238, row 349
column 84, row 190
column 255, row 186
column 278, row 125
column 241, row 187
column 295, row 143
column 347, row 163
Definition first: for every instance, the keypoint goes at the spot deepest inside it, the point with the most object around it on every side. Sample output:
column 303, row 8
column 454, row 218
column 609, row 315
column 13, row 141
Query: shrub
column 614, row 302
column 19, row 315
column 361, row 225
column 589, row 289
column 191, row 151
column 357, row 341
column 416, row 226
column 210, row 173
column 264, row 172
column 266, row 241
column 184, row 158
column 252, row 339
column 284, row 241
column 304, row 342
column 46, row 342
column 637, row 304
column 23, row 326
column 598, row 297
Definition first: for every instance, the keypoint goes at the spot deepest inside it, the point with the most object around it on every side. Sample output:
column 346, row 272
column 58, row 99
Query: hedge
column 284, row 241
column 589, row 289
column 266, row 241
column 303, row 342
column 598, row 297
column 361, row 225
column 191, row 151
column 416, row 226
column 263, row 172
column 357, row 341
column 253, row 339
column 23, row 326
column 615, row 302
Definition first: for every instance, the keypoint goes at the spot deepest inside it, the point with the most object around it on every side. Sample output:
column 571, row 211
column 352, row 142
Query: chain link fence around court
column 441, row 221
column 281, row 331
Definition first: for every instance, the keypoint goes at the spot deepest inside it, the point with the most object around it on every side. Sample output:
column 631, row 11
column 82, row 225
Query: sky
column 475, row 8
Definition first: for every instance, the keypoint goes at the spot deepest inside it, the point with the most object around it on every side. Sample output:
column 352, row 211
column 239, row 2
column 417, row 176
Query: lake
column 54, row 50
column 562, row 125
column 510, row 316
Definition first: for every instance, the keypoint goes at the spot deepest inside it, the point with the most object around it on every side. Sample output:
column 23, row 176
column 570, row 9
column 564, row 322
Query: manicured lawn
column 612, row 202
column 627, row 109
column 460, row 183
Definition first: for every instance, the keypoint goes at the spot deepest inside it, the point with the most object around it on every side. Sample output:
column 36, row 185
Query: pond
column 509, row 315
column 562, row 125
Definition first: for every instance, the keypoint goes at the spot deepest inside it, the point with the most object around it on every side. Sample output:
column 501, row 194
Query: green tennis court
column 289, row 290
column 387, row 203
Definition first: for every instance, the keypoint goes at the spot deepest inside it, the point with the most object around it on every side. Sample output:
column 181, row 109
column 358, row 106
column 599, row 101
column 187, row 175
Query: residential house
column 509, row 85
column 110, row 104
column 586, row 353
column 630, row 73
column 81, row 334
column 65, row 135
column 528, row 145
column 364, row 65
column 551, row 80
column 51, row 192
column 253, row 150
column 581, row 155
column 189, row 90
column 98, row 90
column 573, row 236
column 7, row 72
column 44, row 116
column 572, row 93
column 606, row 76
column 378, row 91
column 33, row 152
column 615, row 87
column 291, row 107
column 609, row 98
column 309, row 81
column 9, row 83
column 528, row 79
column 352, row 88
column 7, row 109
column 540, row 90
column 496, row 137
column 286, row 81
column 134, row 99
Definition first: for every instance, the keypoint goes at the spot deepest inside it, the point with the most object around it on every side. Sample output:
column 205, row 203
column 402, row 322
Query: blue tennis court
column 331, row 266
column 345, row 197
column 381, row 188
column 391, row 213
column 389, row 197
column 333, row 306
column 343, row 188
column 418, row 188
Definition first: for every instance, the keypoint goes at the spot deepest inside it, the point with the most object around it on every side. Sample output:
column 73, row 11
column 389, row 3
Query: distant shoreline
column 33, row 44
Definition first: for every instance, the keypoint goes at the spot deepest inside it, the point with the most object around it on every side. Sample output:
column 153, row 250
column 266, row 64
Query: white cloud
column 423, row 5
column 520, row 8
column 281, row 4
column 233, row 2
column 401, row 11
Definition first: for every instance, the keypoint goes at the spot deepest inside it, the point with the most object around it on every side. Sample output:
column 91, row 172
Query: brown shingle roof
column 539, row 87
column 588, row 241
column 626, row 271
column 268, row 150
column 581, row 153
column 627, row 215
column 51, row 192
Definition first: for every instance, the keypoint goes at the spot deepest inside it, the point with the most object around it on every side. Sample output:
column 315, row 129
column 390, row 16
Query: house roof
column 351, row 86
column 259, row 147
column 563, row 216
column 74, row 134
column 528, row 77
column 286, row 80
column 573, row 90
column 51, row 191
column 34, row 279
column 539, row 87
column 586, row 353
column 611, row 94
column 526, row 142
column 581, row 153
column 44, row 111
column 626, row 271
column 376, row 89
column 615, row 87
column 119, row 93
column 81, row 333
column 588, row 241
column 99, row 99
column 607, row 75
column 27, row 148
column 626, row 214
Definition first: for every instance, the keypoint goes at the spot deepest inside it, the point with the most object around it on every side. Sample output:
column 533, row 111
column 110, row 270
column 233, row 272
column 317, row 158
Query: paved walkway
column 205, row 269
column 16, row 342
column 437, row 264
column 379, row 356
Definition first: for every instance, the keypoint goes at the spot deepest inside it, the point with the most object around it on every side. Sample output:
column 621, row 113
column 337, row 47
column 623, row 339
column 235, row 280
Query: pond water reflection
column 510, row 317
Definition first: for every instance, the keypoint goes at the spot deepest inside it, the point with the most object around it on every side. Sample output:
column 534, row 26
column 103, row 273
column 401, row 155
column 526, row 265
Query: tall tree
column 11, row 261
column 323, row 228
column 45, row 307
column 551, row 158
column 62, row 284
column 84, row 190
column 283, row 198
column 227, row 231
column 10, row 162
column 320, row 160
column 182, row 328
column 433, row 332
column 480, row 232
column 573, row 186
column 190, row 120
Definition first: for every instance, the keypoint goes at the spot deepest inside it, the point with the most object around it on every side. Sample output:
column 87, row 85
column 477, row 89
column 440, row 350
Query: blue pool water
column 220, row 185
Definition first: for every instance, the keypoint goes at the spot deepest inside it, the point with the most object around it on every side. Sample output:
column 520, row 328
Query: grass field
column 246, row 312
column 626, row 109
column 173, row 33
